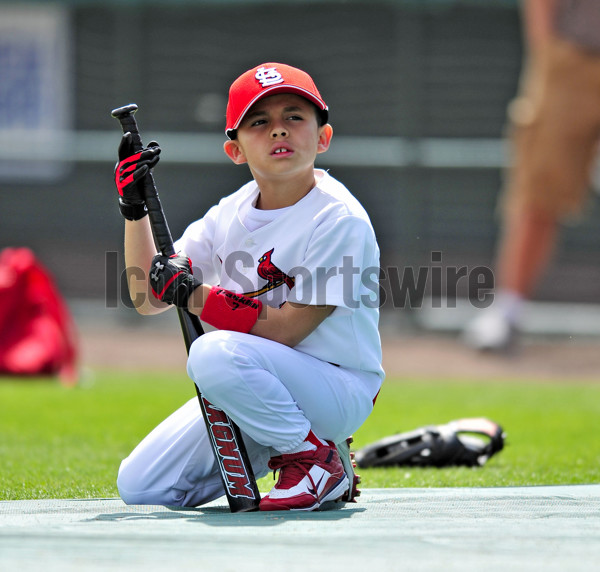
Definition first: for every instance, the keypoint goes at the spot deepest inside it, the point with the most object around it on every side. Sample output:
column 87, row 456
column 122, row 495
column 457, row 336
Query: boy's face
column 279, row 137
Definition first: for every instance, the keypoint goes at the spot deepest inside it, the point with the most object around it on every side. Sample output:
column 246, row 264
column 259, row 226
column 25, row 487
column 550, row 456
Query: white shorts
column 274, row 393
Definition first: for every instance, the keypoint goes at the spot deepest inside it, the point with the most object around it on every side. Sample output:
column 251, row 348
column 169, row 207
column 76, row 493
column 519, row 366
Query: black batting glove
column 172, row 279
column 130, row 171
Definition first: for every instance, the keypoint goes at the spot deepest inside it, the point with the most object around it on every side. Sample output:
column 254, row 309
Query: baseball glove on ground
column 456, row 443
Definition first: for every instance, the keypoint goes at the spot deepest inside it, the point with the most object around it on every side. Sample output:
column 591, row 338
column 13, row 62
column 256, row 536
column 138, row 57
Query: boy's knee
column 129, row 486
column 133, row 490
column 211, row 345
column 128, row 491
column 215, row 358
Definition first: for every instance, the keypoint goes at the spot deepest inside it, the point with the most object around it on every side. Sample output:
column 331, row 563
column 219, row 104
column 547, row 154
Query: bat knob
column 124, row 111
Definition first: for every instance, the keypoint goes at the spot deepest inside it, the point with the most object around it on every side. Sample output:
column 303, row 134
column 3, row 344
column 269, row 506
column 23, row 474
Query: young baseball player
column 292, row 258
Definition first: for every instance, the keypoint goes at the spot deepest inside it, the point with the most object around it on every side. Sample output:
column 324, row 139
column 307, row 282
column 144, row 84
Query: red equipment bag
column 37, row 332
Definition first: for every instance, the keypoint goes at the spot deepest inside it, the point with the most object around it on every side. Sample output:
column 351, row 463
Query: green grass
column 551, row 431
column 57, row 442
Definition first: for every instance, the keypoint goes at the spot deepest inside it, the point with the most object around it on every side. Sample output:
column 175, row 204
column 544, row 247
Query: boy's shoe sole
column 347, row 458
column 327, row 502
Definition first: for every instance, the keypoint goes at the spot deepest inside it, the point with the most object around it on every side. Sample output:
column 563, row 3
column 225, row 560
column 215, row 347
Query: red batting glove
column 129, row 172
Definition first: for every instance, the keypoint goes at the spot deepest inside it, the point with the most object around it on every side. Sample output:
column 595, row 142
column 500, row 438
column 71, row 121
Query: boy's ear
column 233, row 151
column 325, row 135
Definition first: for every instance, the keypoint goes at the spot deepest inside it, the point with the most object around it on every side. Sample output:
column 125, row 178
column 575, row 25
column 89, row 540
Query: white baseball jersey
column 321, row 250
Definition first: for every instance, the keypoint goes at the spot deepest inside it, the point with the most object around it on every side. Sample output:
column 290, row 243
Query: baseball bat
column 225, row 436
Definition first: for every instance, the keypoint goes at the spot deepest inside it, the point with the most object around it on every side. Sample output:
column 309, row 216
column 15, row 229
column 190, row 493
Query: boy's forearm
column 291, row 323
column 287, row 325
column 139, row 250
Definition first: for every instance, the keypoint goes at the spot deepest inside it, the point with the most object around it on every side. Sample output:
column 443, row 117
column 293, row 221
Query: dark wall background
column 386, row 69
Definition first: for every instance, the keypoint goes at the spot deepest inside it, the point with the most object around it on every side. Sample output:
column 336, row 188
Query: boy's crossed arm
column 173, row 282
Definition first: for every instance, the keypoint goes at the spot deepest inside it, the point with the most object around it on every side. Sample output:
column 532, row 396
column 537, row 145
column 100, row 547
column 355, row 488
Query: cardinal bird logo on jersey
column 267, row 270
column 274, row 276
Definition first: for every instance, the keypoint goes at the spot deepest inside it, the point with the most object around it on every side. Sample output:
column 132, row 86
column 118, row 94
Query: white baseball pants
column 275, row 394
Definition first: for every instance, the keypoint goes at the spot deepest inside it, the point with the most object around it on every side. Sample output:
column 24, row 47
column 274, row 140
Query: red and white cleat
column 307, row 480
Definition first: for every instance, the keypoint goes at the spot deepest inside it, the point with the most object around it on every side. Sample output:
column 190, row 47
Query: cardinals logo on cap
column 268, row 76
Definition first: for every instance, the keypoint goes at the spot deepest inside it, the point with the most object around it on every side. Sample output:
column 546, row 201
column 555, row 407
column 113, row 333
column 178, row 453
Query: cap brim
column 279, row 89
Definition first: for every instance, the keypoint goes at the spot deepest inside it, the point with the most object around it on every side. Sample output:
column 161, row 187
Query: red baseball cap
column 269, row 79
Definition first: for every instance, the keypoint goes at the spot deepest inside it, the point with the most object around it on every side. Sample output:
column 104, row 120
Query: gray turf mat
column 525, row 528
